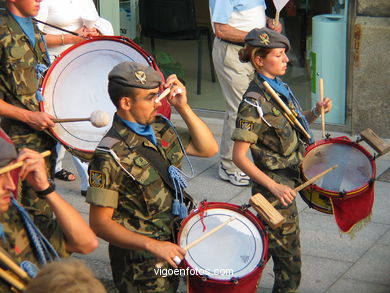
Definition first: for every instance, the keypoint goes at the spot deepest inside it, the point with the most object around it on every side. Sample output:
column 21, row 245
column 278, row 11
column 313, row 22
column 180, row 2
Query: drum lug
column 342, row 194
column 234, row 280
column 204, row 278
column 327, row 136
column 244, row 207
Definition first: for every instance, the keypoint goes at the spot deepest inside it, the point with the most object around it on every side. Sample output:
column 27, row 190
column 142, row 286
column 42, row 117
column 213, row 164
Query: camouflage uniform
column 141, row 205
column 18, row 86
column 277, row 150
column 17, row 243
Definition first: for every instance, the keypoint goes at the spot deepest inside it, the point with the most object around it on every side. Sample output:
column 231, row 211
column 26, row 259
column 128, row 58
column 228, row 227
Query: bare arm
column 100, row 219
column 36, row 120
column 79, row 236
column 229, row 33
column 69, row 39
column 203, row 143
column 284, row 193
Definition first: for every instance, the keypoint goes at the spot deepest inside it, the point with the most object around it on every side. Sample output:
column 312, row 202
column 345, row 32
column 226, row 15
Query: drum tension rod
column 245, row 206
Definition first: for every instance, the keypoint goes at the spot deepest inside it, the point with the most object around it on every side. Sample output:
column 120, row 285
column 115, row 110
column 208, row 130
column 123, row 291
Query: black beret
column 267, row 38
column 133, row 74
column 8, row 152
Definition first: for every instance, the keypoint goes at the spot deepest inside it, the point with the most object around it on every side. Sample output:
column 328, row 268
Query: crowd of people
column 133, row 199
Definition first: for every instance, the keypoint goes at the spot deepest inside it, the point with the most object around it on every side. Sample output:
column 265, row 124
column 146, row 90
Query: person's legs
column 82, row 170
column 60, row 172
column 234, row 78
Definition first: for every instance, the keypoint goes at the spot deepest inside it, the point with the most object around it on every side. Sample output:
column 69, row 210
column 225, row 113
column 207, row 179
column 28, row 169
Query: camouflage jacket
column 275, row 144
column 18, row 244
column 18, row 78
column 141, row 200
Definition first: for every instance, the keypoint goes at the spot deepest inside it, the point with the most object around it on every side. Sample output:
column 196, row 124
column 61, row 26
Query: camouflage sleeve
column 248, row 122
column 103, row 180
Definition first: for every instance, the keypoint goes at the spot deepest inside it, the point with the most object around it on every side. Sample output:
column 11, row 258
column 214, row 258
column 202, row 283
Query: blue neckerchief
column 27, row 26
column 278, row 85
column 143, row 130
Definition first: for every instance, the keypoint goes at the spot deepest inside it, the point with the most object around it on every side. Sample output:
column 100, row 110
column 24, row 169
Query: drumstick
column 163, row 95
column 276, row 18
column 166, row 92
column 56, row 27
column 208, row 234
column 288, row 112
column 20, row 164
column 322, row 108
column 12, row 280
column 9, row 262
column 315, row 178
column 97, row 119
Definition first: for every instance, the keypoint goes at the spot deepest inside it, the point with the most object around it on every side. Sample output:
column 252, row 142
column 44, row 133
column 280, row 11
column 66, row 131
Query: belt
column 233, row 43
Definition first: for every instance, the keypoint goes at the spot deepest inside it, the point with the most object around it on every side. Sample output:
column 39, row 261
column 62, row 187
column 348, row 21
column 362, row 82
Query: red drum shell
column 353, row 176
column 220, row 245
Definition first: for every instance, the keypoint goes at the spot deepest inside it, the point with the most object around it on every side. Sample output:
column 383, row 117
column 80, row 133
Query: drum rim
column 342, row 140
column 248, row 214
column 126, row 41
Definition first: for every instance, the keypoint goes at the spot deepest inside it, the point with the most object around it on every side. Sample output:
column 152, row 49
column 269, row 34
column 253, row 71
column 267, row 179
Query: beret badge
column 141, row 76
column 264, row 38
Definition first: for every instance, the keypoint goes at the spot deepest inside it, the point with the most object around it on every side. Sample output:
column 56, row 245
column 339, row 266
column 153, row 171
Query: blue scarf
column 143, row 130
column 26, row 25
column 282, row 88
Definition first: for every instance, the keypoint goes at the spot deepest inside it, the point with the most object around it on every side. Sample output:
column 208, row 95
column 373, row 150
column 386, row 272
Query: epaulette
column 108, row 142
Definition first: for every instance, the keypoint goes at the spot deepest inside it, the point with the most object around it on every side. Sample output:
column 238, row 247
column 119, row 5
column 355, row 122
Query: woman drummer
column 277, row 147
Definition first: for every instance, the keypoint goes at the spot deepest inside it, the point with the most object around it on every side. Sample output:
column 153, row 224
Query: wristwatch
column 43, row 193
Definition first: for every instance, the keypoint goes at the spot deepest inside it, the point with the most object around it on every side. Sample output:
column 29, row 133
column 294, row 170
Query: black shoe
column 83, row 193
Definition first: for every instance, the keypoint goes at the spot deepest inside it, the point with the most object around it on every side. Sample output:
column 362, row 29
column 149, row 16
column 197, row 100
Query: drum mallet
column 98, row 119
column 203, row 237
column 20, row 164
column 267, row 211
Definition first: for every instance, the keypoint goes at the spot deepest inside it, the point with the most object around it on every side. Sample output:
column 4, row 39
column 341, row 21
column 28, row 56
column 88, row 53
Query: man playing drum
column 18, row 236
column 23, row 59
column 131, row 204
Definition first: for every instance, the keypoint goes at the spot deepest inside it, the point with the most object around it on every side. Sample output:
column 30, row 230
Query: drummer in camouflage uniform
column 67, row 233
column 23, row 59
column 277, row 148
column 131, row 198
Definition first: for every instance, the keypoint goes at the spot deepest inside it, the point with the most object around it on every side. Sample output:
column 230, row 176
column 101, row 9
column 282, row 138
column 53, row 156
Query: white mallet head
column 99, row 118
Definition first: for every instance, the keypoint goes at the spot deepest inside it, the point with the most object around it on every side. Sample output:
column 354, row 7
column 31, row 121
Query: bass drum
column 76, row 85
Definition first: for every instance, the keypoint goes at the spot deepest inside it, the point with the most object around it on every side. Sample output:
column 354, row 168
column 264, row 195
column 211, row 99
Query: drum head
column 354, row 167
column 238, row 246
column 76, row 85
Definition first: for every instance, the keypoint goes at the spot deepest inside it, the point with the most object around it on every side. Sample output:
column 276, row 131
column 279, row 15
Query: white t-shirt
column 67, row 14
column 244, row 15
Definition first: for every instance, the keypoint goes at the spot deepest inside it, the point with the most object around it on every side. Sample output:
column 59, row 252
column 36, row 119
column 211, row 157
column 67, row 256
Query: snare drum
column 76, row 85
column 353, row 176
column 230, row 260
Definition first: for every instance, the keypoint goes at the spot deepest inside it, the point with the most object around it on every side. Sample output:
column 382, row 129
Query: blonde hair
column 65, row 276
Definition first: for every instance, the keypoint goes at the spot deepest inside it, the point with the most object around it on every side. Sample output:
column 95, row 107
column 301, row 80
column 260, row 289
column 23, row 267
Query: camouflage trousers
column 137, row 272
column 284, row 242
column 24, row 136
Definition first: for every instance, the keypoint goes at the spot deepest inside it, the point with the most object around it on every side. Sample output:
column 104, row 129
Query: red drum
column 230, row 260
column 76, row 85
column 353, row 176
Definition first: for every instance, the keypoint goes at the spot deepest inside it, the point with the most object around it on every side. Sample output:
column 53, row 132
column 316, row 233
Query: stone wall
column 370, row 101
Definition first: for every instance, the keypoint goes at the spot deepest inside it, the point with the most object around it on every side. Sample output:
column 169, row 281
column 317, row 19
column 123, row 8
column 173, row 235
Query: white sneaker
column 235, row 177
